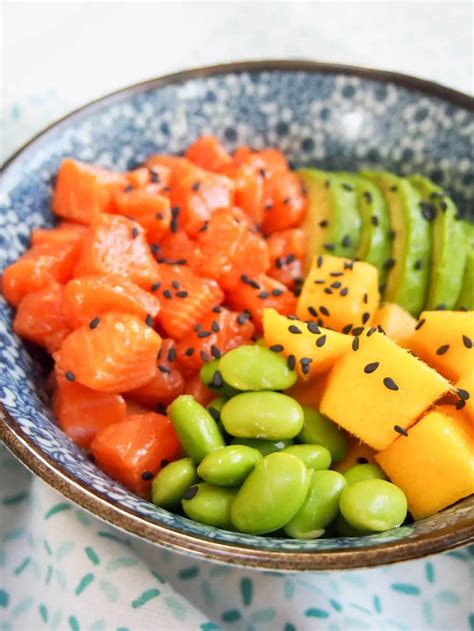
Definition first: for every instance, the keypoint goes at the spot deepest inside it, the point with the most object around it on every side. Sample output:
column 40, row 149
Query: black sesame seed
column 324, row 223
column 418, row 264
column 244, row 278
column 190, row 493
column 347, row 329
column 312, row 311
column 463, row 308
column 419, row 324
column 149, row 320
column 70, row 376
column 254, row 284
column 365, row 298
column 164, row 369
column 94, row 323
column 196, row 186
column 374, row 220
column 440, row 307
column 294, row 329
column 319, row 281
column 365, row 317
column 135, row 233
column 217, row 309
column 263, row 295
column 155, row 248
column 358, row 330
column 320, row 322
column 361, row 460
column 128, row 188
column 368, row 196
column 329, row 246
column 460, row 404
column 380, row 329
column 336, row 284
column 400, row 430
column 327, row 290
column 171, row 354
column 336, row 274
column 347, row 187
column 389, row 383
column 147, row 475
column 155, row 286
column 241, row 318
column 286, row 200
column 180, row 262
column 182, row 293
column 204, row 227
column 215, row 352
column 167, row 294
column 371, row 331
column 346, row 241
column 443, row 206
column 268, row 206
column 428, row 211
column 189, row 351
column 467, row 341
column 442, row 349
column 175, row 284
column 277, row 292
column 174, row 219
column 370, row 368
column 463, row 394
column 278, row 263
column 305, row 369
column 161, row 408
column 389, row 263
column 204, row 356
column 197, row 327
column 313, row 328
column 276, row 348
column 305, row 360
column 215, row 327
column 319, row 261
column 391, row 234
column 324, row 311
column 344, row 291
column 291, row 362
column 349, row 266
column 154, row 176
column 321, row 341
column 355, row 344
column 204, row 333
column 393, row 188
column 290, row 258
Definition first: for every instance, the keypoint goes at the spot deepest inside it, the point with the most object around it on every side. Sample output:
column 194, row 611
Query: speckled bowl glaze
column 328, row 115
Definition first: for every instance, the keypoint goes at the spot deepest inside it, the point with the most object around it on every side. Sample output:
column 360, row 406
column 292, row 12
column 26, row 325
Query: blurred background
column 57, row 56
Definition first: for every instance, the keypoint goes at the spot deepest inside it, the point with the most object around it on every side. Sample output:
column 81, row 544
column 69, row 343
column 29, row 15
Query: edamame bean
column 256, row 368
column 271, row 495
column 374, row 505
column 214, row 382
column 197, row 430
column 229, row 466
column 320, row 507
column 265, row 414
column 364, row 472
column 265, row 447
column 318, row 429
column 169, row 486
column 209, row 504
column 313, row 456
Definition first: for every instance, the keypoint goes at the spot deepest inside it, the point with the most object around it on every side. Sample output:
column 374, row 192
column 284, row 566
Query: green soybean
column 171, row 483
column 197, row 430
column 268, row 415
column 318, row 429
column 374, row 505
column 265, row 447
column 364, row 472
column 228, row 466
column 271, row 495
column 320, row 507
column 313, row 456
column 256, row 368
column 209, row 504
column 208, row 378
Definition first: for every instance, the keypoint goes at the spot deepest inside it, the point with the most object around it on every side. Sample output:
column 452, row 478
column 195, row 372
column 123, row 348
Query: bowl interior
column 316, row 116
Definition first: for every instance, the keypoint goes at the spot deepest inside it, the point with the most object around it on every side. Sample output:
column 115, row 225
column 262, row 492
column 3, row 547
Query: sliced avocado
column 448, row 244
column 332, row 224
column 374, row 242
column 408, row 265
column 466, row 296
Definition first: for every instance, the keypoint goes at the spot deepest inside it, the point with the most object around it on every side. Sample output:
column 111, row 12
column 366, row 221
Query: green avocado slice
column 374, row 243
column 407, row 280
column 448, row 246
column 332, row 223
column 466, row 296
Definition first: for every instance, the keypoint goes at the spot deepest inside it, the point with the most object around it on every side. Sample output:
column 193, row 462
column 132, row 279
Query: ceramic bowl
column 332, row 116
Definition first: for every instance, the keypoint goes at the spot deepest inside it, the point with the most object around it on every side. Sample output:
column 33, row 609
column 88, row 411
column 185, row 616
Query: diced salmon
column 230, row 247
column 178, row 248
column 87, row 297
column 208, row 153
column 133, row 451
column 285, row 202
column 216, row 334
column 147, row 207
column 117, row 245
column 82, row 412
column 249, row 186
column 287, row 250
column 40, row 319
column 195, row 387
column 185, row 298
column 83, row 191
column 117, row 355
column 141, row 177
column 38, row 267
column 65, row 231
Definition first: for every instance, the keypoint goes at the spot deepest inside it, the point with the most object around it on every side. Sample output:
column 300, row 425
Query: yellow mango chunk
column 465, row 388
column 321, row 348
column 445, row 341
column 357, row 453
column 339, row 293
column 377, row 387
column 433, row 465
column 308, row 392
column 397, row 323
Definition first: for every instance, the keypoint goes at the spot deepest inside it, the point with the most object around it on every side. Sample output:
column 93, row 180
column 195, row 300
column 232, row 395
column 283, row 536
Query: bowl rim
column 54, row 474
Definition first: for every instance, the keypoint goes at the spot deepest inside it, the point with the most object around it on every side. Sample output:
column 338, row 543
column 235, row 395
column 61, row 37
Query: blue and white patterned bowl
column 327, row 115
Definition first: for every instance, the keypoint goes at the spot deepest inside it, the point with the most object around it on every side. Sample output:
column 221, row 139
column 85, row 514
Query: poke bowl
column 350, row 140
